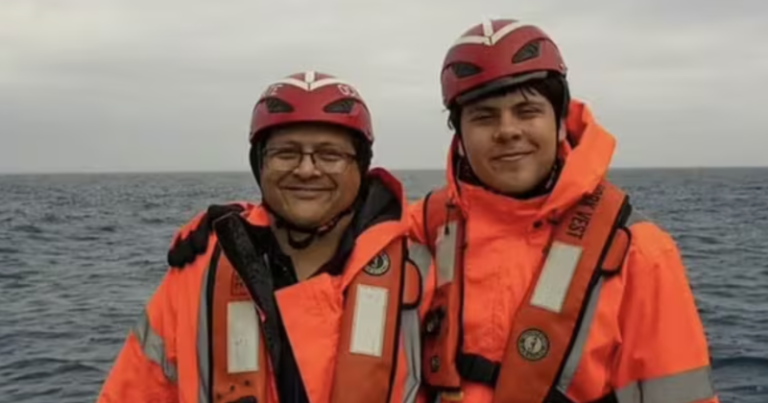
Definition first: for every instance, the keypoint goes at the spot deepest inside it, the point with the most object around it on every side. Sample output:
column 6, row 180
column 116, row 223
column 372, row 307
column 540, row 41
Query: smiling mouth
column 511, row 157
column 305, row 190
column 297, row 189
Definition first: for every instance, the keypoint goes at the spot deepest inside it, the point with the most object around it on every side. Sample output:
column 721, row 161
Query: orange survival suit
column 206, row 335
column 567, row 298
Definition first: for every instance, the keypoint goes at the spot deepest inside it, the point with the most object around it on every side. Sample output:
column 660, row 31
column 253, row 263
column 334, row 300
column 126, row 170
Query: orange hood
column 585, row 165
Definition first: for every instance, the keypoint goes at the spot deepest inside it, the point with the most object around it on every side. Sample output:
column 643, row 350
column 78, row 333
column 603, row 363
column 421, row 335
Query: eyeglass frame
column 346, row 157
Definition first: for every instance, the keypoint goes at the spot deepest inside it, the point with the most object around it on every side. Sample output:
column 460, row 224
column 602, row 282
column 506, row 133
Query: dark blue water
column 80, row 254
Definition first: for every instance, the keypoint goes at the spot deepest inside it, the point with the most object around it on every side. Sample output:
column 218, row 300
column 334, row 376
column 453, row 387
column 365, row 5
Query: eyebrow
column 529, row 102
column 482, row 108
column 492, row 109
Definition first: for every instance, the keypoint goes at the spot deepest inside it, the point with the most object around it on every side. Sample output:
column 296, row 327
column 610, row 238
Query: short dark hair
column 554, row 88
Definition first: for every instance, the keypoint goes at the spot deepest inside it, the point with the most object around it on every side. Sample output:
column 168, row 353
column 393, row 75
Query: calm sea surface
column 80, row 254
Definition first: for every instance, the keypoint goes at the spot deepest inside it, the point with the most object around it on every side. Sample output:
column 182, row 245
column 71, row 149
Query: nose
column 306, row 167
column 509, row 127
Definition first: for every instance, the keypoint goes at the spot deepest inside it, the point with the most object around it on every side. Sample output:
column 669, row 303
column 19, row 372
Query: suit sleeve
column 664, row 356
column 145, row 368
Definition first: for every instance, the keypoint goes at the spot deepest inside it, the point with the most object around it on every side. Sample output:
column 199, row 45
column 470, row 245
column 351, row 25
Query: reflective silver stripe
column 556, row 275
column 685, row 387
column 203, row 363
column 410, row 327
column 409, row 322
column 572, row 362
column 420, row 256
column 153, row 347
column 445, row 249
column 573, row 359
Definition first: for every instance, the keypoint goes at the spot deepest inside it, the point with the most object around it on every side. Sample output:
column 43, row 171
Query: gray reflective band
column 203, row 364
column 420, row 256
column 153, row 347
column 572, row 362
column 556, row 275
column 410, row 333
column 573, row 359
column 685, row 387
column 410, row 329
column 445, row 251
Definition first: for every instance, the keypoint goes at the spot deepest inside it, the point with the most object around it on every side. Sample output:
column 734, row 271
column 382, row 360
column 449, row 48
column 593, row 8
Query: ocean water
column 80, row 254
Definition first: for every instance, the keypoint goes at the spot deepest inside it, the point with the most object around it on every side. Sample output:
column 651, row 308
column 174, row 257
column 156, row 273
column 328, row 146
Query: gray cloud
column 113, row 85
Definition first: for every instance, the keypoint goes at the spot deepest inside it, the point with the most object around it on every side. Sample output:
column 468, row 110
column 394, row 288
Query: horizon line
column 177, row 172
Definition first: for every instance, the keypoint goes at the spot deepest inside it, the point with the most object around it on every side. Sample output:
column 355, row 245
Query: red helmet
column 496, row 54
column 311, row 97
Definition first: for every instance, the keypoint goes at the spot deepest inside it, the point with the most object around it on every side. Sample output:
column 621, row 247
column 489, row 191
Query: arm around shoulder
column 191, row 240
column 664, row 356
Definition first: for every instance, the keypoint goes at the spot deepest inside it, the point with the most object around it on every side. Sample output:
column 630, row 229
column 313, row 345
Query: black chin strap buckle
column 300, row 244
column 312, row 233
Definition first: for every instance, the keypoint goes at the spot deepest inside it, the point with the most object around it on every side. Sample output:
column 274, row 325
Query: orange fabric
column 134, row 378
column 443, row 336
column 646, row 324
column 590, row 225
column 230, row 387
column 312, row 312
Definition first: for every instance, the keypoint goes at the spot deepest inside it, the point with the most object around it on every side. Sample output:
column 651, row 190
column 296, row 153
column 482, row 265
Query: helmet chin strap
column 312, row 233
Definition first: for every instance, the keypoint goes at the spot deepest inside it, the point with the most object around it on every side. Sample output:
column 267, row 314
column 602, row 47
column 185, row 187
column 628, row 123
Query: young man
column 549, row 289
column 314, row 295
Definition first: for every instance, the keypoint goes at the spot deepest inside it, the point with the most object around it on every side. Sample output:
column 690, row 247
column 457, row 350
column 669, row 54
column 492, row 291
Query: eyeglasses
column 324, row 160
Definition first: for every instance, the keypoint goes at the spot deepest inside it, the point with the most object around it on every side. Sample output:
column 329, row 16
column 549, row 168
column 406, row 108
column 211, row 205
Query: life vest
column 243, row 344
column 588, row 244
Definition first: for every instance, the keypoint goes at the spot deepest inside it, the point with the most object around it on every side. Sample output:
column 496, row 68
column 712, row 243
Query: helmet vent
column 343, row 106
column 463, row 69
column 530, row 51
column 276, row 105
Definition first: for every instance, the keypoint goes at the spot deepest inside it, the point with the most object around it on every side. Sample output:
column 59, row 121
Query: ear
column 460, row 148
column 562, row 132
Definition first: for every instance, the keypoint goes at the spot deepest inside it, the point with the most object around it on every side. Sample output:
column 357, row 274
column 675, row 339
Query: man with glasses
column 315, row 294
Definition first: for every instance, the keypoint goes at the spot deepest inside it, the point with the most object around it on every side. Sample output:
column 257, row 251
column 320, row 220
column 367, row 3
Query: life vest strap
column 602, row 244
column 558, row 397
column 545, row 328
column 476, row 368
column 235, row 243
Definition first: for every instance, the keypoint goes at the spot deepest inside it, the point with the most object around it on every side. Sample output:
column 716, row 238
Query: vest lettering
column 238, row 286
column 578, row 224
column 592, row 200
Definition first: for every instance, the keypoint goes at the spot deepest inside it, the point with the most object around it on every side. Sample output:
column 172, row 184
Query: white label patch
column 555, row 278
column 243, row 337
column 445, row 246
column 370, row 321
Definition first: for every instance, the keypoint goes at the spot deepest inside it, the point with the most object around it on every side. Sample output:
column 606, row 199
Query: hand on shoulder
column 191, row 240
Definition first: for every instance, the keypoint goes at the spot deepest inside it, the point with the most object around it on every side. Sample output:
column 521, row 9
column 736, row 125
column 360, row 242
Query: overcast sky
column 145, row 85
